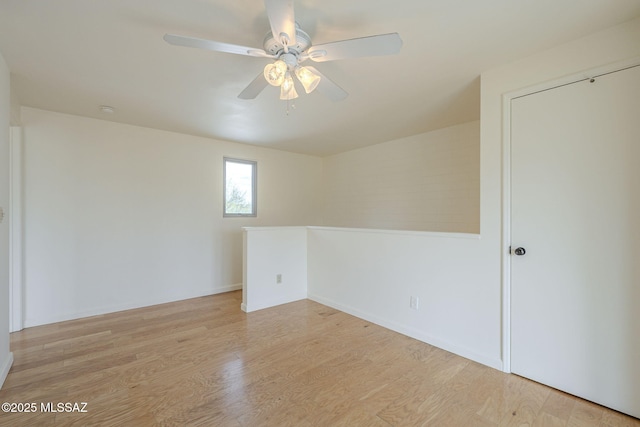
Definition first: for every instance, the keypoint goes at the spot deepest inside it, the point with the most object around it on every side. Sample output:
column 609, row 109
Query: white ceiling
column 72, row 56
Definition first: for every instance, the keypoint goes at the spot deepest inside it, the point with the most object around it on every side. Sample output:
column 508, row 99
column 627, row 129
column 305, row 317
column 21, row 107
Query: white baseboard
column 272, row 303
column 411, row 332
column 230, row 288
column 6, row 366
column 30, row 322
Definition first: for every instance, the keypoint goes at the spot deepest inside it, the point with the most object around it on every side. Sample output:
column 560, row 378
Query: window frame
column 254, row 188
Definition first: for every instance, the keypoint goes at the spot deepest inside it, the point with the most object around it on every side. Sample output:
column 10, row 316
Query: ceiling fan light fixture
column 288, row 45
column 275, row 73
column 308, row 78
column 288, row 90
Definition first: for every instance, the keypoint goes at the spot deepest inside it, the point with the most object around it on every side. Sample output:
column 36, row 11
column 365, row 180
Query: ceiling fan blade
column 215, row 46
column 282, row 19
column 328, row 87
column 255, row 87
column 382, row 44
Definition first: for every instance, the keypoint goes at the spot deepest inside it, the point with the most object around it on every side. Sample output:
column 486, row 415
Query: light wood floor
column 205, row 362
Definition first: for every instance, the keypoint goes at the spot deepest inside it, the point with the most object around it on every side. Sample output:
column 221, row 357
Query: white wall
column 6, row 357
column 426, row 182
column 372, row 273
column 618, row 45
column 270, row 252
column 118, row 216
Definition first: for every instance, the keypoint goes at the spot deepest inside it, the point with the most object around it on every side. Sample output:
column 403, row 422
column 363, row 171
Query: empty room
column 305, row 213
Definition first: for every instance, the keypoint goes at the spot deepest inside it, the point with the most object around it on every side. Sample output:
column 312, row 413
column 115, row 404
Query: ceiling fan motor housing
column 274, row 47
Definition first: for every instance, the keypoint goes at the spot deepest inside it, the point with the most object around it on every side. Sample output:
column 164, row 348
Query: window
column 239, row 179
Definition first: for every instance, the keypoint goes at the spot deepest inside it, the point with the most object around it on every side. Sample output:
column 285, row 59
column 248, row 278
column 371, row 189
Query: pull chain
column 293, row 107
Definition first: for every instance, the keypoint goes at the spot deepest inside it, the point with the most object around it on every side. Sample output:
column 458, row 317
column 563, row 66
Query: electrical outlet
column 414, row 303
column 278, row 278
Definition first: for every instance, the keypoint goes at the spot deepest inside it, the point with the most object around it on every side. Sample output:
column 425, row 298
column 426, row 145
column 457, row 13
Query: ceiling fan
column 290, row 46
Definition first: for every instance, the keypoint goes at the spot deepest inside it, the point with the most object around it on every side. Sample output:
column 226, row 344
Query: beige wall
column 615, row 47
column 461, row 279
column 427, row 182
column 120, row 216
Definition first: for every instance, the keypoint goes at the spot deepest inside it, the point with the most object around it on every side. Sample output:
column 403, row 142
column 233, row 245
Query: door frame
column 506, row 181
column 16, row 254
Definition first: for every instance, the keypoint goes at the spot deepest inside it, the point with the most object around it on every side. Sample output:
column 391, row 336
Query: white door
column 575, row 209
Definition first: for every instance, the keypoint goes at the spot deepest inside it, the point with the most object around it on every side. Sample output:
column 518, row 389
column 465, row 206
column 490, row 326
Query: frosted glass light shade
column 287, row 90
column 274, row 73
column 308, row 78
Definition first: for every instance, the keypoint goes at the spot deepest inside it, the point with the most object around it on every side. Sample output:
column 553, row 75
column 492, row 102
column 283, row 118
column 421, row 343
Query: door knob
column 520, row 251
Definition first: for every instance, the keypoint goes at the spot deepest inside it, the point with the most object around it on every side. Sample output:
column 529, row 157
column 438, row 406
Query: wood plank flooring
column 203, row 362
